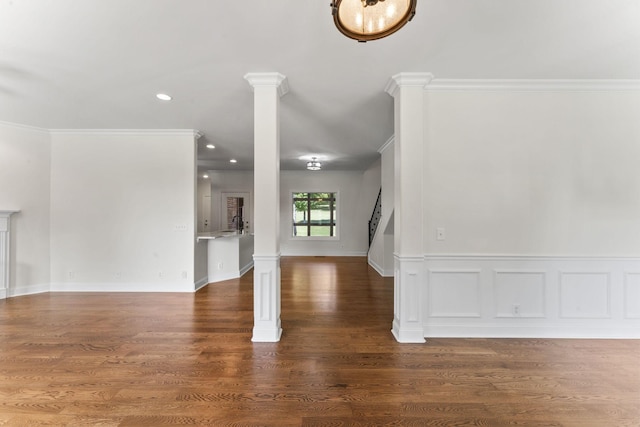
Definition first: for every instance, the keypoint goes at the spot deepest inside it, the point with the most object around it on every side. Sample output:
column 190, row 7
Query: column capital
column 407, row 79
column 276, row 80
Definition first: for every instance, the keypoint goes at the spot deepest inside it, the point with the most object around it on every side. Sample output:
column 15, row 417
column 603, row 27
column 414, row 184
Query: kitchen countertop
column 209, row 235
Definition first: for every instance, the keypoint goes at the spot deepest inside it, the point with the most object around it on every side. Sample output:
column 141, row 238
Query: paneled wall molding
column 530, row 290
column 267, row 88
column 531, row 296
column 266, row 298
column 407, row 90
column 454, row 292
column 632, row 294
column 531, row 85
column 5, row 251
column 584, row 294
column 407, row 326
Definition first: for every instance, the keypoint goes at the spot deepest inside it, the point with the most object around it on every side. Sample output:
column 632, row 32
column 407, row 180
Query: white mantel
column 5, row 250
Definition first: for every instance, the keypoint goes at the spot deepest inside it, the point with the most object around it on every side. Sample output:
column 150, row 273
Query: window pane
column 300, row 230
column 320, row 231
column 314, row 214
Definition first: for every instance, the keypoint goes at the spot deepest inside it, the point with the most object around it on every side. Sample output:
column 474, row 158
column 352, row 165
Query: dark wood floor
column 82, row 359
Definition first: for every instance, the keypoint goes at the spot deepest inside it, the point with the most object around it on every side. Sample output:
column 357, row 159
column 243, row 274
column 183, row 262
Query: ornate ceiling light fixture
column 314, row 164
column 365, row 20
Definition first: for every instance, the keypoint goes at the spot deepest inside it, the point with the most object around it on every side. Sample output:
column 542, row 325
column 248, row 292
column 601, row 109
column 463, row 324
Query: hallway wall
column 24, row 185
column 123, row 210
column 539, row 194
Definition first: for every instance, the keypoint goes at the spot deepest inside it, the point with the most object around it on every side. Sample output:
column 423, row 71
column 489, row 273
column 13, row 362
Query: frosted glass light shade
column 314, row 164
column 365, row 20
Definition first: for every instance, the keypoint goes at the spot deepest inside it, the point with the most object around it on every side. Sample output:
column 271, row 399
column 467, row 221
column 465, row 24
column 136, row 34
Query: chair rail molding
column 5, row 250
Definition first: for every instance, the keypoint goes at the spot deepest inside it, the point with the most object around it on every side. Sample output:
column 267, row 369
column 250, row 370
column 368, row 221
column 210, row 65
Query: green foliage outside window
column 314, row 214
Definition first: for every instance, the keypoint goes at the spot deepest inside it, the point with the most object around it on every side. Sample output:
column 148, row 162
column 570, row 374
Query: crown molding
column 532, row 85
column 129, row 132
column 386, row 145
column 407, row 79
column 23, row 127
column 280, row 81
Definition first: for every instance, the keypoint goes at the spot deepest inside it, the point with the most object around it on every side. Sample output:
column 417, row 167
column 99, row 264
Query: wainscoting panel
column 531, row 296
column 585, row 295
column 454, row 293
column 632, row 295
column 519, row 293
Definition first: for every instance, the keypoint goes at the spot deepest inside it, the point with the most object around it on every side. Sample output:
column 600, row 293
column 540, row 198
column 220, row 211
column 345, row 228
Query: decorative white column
column 267, row 88
column 407, row 90
column 5, row 251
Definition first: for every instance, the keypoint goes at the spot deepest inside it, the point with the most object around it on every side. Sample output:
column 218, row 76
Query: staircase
column 375, row 218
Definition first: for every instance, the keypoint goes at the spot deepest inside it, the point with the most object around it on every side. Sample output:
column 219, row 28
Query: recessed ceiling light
column 163, row 97
column 211, row 146
column 233, row 161
column 205, row 176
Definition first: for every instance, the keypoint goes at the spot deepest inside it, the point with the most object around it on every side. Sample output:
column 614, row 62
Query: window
column 314, row 215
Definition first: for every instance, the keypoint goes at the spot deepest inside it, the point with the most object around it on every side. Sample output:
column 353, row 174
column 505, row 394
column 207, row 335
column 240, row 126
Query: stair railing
column 375, row 217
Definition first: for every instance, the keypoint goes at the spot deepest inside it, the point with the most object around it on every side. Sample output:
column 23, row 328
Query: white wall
column 533, row 173
column 24, row 185
column 123, row 211
column 539, row 195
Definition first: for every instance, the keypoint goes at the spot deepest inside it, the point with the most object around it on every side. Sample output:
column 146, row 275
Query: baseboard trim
column 327, row 253
column 121, row 287
column 204, row 281
column 28, row 290
column 246, row 268
column 547, row 331
column 375, row 266
column 379, row 269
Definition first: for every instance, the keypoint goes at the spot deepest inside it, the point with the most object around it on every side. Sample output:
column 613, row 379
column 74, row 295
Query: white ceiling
column 97, row 64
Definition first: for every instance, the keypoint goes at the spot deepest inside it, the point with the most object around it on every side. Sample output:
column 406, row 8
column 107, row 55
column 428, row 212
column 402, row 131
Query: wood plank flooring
column 81, row 359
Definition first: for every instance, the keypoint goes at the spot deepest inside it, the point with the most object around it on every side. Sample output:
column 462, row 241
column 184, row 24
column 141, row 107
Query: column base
column 266, row 335
column 407, row 335
column 407, row 324
column 266, row 298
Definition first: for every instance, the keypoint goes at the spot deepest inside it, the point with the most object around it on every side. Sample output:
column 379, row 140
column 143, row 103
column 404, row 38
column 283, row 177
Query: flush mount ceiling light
column 365, row 20
column 163, row 97
column 211, row 146
column 233, row 161
column 314, row 164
